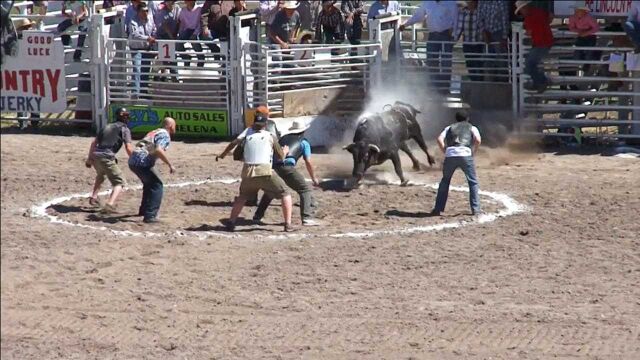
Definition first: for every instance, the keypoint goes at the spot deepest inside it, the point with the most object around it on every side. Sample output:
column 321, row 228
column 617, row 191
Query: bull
column 379, row 137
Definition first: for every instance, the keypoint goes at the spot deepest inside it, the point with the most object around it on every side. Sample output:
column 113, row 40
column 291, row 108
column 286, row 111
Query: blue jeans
column 439, row 58
column 632, row 29
column 468, row 167
column 66, row 39
column 499, row 60
column 142, row 67
column 531, row 66
column 152, row 189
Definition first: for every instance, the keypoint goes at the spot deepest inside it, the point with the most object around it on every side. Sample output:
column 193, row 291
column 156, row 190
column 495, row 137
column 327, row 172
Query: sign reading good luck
column 33, row 79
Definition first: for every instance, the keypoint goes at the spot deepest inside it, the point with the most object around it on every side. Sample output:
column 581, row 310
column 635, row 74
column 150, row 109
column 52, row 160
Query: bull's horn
column 374, row 148
column 348, row 147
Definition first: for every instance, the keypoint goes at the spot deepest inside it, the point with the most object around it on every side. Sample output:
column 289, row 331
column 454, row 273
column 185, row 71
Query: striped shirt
column 493, row 16
column 467, row 25
column 331, row 22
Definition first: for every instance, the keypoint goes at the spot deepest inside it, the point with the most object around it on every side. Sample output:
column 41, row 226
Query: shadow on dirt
column 111, row 219
column 66, row 209
column 208, row 203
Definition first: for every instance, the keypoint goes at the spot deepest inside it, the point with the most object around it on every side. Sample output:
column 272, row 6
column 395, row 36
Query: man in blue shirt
column 299, row 147
column 381, row 7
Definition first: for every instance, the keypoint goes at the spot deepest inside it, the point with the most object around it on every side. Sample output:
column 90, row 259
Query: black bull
column 379, row 137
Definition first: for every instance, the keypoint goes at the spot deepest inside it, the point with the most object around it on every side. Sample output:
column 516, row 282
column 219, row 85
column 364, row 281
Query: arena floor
column 560, row 279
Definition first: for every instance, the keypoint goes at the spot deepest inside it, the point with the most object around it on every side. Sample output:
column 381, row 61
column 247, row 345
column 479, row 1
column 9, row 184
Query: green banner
column 189, row 122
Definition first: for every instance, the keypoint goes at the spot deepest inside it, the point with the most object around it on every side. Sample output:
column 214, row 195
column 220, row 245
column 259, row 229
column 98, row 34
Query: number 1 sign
column 166, row 50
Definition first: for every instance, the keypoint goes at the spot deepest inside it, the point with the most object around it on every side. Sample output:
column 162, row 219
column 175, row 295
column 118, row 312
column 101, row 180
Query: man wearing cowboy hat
column 285, row 25
column 537, row 26
column 298, row 148
column 21, row 25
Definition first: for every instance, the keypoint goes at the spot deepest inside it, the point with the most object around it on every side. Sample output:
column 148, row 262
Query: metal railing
column 590, row 94
column 277, row 72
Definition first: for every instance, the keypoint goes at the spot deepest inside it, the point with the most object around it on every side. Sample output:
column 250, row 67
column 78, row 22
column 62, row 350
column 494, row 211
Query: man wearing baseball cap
column 102, row 156
column 257, row 174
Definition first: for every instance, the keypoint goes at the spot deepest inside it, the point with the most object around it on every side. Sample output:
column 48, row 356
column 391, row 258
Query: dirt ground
column 561, row 280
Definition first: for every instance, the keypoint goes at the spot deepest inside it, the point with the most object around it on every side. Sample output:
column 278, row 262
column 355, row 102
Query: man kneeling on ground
column 102, row 156
column 259, row 147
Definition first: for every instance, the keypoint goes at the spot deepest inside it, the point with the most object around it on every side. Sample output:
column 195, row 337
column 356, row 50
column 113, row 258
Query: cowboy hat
column 304, row 33
column 298, row 127
column 462, row 3
column 21, row 23
column 520, row 4
column 581, row 5
column 290, row 4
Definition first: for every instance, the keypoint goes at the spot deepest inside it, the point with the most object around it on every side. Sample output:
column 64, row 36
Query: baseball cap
column 261, row 118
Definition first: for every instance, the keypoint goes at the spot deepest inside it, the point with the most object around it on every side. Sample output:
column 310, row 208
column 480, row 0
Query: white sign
column 599, row 8
column 33, row 79
column 166, row 50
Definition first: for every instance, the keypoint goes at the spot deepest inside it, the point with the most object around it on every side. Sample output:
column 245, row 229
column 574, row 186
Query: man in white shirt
column 459, row 142
column 441, row 18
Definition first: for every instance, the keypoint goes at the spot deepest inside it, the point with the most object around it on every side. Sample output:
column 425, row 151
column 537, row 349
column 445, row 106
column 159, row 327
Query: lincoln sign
column 33, row 79
column 599, row 8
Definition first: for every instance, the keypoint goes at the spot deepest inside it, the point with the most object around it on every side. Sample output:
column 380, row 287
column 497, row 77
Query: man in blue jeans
column 632, row 25
column 459, row 142
column 142, row 163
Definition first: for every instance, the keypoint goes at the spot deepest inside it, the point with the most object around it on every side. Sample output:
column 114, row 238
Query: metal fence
column 593, row 92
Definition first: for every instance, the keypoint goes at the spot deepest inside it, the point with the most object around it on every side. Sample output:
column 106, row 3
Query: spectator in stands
column 632, row 25
column 21, row 25
column 493, row 19
column 240, row 6
column 142, row 40
column 130, row 14
column 468, row 25
column 215, row 25
column 329, row 24
column 582, row 23
column 269, row 9
column 441, row 17
column 257, row 174
column 381, row 7
column 306, row 14
column 39, row 8
column 102, row 156
column 189, row 29
column 76, row 16
column 167, row 26
column 108, row 4
column 537, row 26
column 285, row 26
column 142, row 162
column 353, row 10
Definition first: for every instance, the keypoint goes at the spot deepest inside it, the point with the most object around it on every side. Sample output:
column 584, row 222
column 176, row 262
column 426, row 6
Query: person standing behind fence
column 441, row 17
column 189, row 29
column 167, row 27
column 582, row 23
column 21, row 25
column 353, row 10
column 632, row 25
column 468, row 25
column 77, row 15
column 257, row 174
column 329, row 24
column 215, row 25
column 284, row 28
column 381, row 7
column 459, row 142
column 536, row 23
column 493, row 19
column 102, row 156
column 142, row 163
column 39, row 8
column 142, row 39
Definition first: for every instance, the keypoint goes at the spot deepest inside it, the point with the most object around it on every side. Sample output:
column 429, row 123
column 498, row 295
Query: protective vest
column 258, row 148
column 294, row 142
column 460, row 134
column 111, row 137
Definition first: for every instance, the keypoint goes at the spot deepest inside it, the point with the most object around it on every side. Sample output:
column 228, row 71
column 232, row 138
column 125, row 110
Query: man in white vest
column 257, row 173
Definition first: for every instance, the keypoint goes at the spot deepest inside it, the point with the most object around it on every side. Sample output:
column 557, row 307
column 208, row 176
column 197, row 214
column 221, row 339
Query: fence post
column 635, row 127
column 235, row 78
column 98, row 67
column 515, row 51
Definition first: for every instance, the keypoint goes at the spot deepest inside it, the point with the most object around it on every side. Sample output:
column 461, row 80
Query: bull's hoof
column 404, row 183
column 416, row 167
column 432, row 162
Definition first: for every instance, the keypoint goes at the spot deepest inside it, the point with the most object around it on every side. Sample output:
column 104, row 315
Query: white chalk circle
column 511, row 207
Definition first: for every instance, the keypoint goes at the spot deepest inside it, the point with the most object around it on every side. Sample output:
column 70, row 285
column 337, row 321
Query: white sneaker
column 311, row 222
